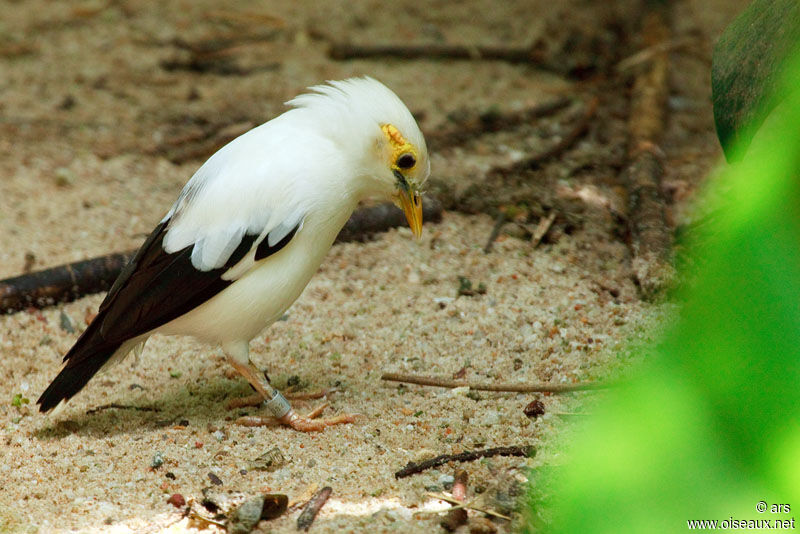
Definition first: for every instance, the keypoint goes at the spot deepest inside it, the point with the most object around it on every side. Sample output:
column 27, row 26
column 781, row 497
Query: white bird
column 251, row 227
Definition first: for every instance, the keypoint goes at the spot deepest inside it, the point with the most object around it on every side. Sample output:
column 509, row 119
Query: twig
column 62, row 283
column 650, row 238
column 203, row 144
column 313, row 507
column 305, row 496
column 566, row 142
column 68, row 282
column 509, row 388
column 498, row 225
column 470, row 125
column 469, row 506
column 527, row 54
column 412, row 468
column 648, row 53
column 194, row 514
column 542, row 228
column 457, row 516
column 366, row 222
column 122, row 407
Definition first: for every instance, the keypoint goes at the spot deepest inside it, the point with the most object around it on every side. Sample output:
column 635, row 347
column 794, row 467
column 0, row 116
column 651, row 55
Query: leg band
column 277, row 406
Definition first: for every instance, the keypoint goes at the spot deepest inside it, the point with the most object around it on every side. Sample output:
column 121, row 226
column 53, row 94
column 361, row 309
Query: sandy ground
column 83, row 110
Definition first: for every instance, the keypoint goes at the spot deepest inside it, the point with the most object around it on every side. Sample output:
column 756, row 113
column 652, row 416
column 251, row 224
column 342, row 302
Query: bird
column 251, row 227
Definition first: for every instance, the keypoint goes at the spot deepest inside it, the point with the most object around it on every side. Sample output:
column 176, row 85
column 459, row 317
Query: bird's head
column 377, row 132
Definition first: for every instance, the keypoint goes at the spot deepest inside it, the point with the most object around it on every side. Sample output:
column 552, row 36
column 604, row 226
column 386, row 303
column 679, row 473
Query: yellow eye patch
column 400, row 147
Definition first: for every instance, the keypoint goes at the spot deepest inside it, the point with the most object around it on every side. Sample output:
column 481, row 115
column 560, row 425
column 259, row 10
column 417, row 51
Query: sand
column 82, row 117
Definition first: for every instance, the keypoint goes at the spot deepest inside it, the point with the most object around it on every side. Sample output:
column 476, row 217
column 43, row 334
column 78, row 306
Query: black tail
column 84, row 359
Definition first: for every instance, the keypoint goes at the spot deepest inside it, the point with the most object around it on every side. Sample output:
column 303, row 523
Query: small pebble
column 246, row 516
column 214, row 479
column 272, row 460
column 170, row 475
column 481, row 525
column 446, row 480
column 66, row 323
column 158, row 460
column 534, row 409
column 177, row 500
column 219, row 435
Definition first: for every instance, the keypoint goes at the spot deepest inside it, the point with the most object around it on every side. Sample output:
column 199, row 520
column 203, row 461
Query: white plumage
column 254, row 223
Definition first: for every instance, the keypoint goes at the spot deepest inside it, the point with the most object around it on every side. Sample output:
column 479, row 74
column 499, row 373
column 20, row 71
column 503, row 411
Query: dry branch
column 61, row 284
column 651, row 240
column 542, row 228
column 468, row 506
column 575, row 132
column 313, row 507
column 514, row 184
column 498, row 225
column 75, row 280
column 467, row 125
column 506, row 388
column 343, row 51
column 412, row 468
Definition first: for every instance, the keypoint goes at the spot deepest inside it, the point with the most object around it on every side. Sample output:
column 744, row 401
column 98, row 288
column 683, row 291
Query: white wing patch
column 213, row 250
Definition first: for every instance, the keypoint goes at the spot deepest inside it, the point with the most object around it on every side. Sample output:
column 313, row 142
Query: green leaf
column 746, row 68
column 712, row 426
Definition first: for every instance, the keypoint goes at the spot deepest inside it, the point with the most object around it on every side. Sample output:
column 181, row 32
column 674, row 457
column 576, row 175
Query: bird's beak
column 411, row 202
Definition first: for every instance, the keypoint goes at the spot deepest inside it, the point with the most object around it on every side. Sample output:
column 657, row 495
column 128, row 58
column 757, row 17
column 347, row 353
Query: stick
column 313, row 507
column 61, row 284
column 509, row 388
column 412, row 468
column 650, row 237
column 542, row 228
column 469, row 506
column 471, row 125
column 123, row 407
column 366, row 222
column 498, row 225
column 457, row 516
column 566, row 142
column 344, row 51
column 69, row 282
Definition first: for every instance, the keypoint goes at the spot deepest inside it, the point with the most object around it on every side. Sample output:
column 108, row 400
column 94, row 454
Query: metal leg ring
column 278, row 406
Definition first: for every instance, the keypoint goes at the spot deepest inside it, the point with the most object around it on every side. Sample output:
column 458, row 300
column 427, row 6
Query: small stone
column 246, row 516
column 272, row 460
column 481, row 525
column 214, row 479
column 158, row 460
column 446, row 481
column 177, row 500
column 275, row 504
column 534, row 409
column 219, row 435
column 64, row 177
column 170, row 475
column 66, row 323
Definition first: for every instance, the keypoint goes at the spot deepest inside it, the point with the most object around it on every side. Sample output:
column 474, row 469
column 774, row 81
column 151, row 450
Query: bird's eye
column 406, row 161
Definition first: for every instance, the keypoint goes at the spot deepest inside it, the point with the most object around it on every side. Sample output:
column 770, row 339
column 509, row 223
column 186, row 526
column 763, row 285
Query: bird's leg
column 279, row 407
column 257, row 398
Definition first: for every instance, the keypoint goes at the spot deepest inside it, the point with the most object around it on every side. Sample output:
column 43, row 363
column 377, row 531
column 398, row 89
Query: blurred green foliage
column 712, row 425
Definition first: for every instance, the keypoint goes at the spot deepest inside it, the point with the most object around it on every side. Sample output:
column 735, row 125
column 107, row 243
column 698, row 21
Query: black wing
column 153, row 289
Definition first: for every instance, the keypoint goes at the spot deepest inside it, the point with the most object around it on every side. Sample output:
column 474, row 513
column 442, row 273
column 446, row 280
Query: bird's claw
column 309, row 423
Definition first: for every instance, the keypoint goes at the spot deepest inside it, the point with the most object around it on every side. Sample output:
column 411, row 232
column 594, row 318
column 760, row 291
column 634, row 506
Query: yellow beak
column 411, row 203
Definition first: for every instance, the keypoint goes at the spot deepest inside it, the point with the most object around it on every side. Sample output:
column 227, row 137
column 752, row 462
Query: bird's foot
column 256, row 399
column 307, row 423
column 310, row 423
